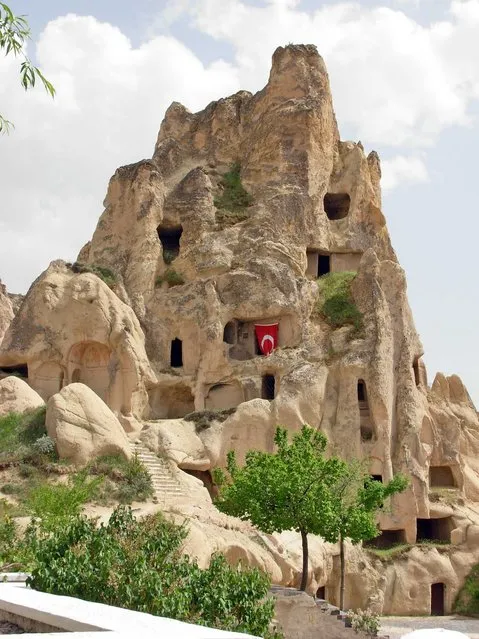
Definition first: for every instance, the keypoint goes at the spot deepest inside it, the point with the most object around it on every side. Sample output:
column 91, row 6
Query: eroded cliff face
column 176, row 334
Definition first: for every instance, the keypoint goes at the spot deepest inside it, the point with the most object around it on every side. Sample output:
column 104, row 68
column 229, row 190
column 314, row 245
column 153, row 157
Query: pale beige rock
column 16, row 396
column 156, row 353
column 6, row 311
column 73, row 328
column 83, row 426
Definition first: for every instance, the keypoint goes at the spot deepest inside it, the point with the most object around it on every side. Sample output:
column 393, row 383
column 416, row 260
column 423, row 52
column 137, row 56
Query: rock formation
column 170, row 344
column 16, row 396
column 83, row 426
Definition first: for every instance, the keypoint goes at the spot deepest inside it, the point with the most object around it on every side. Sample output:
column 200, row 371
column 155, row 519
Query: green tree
column 285, row 490
column 14, row 33
column 138, row 564
column 356, row 500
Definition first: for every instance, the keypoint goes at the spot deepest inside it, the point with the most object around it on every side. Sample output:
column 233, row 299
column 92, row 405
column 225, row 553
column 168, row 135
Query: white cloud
column 110, row 102
column 402, row 169
column 394, row 81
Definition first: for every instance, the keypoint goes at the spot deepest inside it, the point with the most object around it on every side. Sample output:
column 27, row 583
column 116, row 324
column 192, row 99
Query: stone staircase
column 165, row 485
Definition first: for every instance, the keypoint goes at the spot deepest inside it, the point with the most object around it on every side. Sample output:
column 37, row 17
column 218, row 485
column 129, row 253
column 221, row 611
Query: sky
column 405, row 82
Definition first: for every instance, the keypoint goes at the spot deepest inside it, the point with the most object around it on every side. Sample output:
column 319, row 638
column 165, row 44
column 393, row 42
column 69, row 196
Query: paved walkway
column 395, row 627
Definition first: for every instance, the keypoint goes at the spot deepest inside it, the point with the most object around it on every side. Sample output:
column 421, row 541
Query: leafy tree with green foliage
column 356, row 499
column 137, row 564
column 285, row 490
column 14, row 33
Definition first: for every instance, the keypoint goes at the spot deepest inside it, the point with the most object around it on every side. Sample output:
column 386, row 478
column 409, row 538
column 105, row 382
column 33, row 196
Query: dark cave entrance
column 438, row 592
column 336, row 205
column 438, row 529
column 170, row 240
column 20, row 370
column 176, row 353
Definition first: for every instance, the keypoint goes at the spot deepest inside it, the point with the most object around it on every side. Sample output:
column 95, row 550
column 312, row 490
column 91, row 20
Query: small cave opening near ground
column 20, row 370
column 268, row 387
column 169, row 237
column 387, row 539
column 438, row 529
column 205, row 477
column 438, row 591
column 336, row 205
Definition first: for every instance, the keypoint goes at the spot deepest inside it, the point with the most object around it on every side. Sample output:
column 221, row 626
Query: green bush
column 171, row 276
column 467, row 600
column 138, row 565
column 11, row 489
column 234, row 197
column 129, row 479
column 335, row 301
column 365, row 621
column 58, row 502
column 104, row 273
column 18, row 432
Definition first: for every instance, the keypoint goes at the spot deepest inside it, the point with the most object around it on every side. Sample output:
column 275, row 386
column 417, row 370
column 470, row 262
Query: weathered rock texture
column 83, row 426
column 6, row 310
column 16, row 396
column 155, row 353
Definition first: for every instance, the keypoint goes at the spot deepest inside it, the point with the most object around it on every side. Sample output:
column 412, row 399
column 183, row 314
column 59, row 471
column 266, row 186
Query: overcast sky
column 405, row 79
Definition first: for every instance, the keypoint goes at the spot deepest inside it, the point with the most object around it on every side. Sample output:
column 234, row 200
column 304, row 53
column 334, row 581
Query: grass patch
column 171, row 276
column 204, row 418
column 393, row 552
column 467, row 600
column 233, row 197
column 335, row 302
column 18, row 434
column 125, row 480
column 104, row 273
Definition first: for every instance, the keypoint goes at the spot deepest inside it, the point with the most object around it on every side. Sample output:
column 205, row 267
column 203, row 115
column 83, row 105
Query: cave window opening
column 387, row 539
column 20, row 370
column 415, row 368
column 441, row 477
column 268, row 384
column 324, row 264
column 367, row 433
column 378, row 478
column 437, row 599
column 229, row 333
column 321, row 593
column 362, row 397
column 438, row 529
column 176, row 353
column 170, row 241
column 336, row 205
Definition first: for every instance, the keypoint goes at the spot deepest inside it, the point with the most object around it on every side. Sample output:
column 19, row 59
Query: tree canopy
column 14, row 33
column 298, row 488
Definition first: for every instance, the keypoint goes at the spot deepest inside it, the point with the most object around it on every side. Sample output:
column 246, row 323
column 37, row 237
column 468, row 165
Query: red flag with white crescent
column 267, row 336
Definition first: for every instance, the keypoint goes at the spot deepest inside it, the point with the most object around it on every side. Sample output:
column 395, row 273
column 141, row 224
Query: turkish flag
column 267, row 336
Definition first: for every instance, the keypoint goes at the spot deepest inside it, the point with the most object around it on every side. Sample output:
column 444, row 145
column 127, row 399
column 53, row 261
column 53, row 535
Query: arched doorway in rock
column 438, row 592
column 169, row 237
column 90, row 363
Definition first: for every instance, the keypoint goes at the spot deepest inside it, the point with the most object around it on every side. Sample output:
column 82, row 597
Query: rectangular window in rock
column 268, row 387
column 438, row 529
column 441, row 477
column 387, row 539
column 176, row 353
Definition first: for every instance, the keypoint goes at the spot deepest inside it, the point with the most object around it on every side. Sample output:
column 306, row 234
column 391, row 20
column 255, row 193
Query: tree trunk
column 304, row 577
column 341, row 587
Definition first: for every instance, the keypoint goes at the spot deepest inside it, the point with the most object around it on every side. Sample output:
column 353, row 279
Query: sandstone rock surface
column 83, row 426
column 174, row 336
column 6, row 310
column 16, row 396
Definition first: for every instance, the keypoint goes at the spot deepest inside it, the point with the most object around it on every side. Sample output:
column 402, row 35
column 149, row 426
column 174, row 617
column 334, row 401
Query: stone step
column 164, row 483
